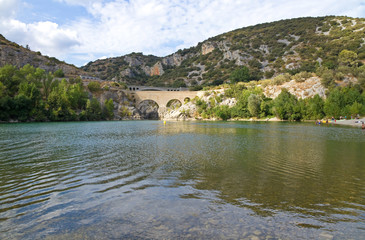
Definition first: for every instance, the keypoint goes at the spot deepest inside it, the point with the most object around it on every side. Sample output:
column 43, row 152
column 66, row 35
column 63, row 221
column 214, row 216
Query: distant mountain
column 14, row 54
column 268, row 49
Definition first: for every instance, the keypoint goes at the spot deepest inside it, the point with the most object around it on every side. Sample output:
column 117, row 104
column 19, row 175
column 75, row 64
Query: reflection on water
column 182, row 180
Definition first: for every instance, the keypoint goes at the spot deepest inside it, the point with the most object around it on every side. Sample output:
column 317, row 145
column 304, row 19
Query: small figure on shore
column 340, row 117
column 327, row 121
column 363, row 126
column 332, row 119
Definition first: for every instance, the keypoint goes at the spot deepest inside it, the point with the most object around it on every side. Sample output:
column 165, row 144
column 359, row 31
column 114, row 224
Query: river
column 182, row 180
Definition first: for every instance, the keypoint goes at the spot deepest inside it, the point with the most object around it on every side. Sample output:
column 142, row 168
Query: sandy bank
column 353, row 122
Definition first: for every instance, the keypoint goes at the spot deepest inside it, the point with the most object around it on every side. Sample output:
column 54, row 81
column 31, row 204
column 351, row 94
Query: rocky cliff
column 268, row 50
column 14, row 54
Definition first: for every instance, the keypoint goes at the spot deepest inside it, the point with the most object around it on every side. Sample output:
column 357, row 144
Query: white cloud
column 150, row 25
column 84, row 3
column 157, row 27
column 8, row 8
column 46, row 37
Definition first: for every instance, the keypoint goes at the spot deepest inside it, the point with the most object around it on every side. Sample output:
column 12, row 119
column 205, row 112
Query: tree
column 94, row 86
column 59, row 73
column 109, row 109
column 240, row 75
column 314, row 108
column 2, row 90
column 356, row 108
column 253, row 105
column 93, row 110
column 223, row 112
column 334, row 103
column 285, row 106
column 347, row 58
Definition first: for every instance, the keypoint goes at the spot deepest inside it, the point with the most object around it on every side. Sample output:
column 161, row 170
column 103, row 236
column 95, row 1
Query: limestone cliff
column 14, row 54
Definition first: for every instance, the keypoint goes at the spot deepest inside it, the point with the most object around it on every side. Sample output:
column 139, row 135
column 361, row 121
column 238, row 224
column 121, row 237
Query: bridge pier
column 161, row 111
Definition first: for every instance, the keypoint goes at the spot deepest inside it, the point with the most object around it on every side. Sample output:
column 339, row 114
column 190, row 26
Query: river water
column 182, row 180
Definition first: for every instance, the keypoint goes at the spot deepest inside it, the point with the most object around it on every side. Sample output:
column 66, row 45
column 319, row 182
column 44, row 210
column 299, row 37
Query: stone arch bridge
column 162, row 98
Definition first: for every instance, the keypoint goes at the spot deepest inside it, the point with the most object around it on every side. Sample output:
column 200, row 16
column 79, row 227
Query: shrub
column 94, row 86
column 282, row 78
column 302, row 76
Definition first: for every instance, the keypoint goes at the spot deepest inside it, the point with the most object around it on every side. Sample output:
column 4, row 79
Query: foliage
column 31, row 94
column 94, row 86
column 253, row 105
column 290, row 46
column 240, row 75
column 109, row 109
column 59, row 73
column 286, row 106
column 347, row 58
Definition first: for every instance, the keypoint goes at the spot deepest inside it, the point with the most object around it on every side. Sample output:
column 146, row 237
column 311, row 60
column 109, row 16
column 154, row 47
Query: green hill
column 269, row 49
column 16, row 55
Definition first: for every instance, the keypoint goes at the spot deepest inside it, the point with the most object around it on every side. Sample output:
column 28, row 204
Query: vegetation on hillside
column 31, row 94
column 266, row 50
column 14, row 54
column 252, row 103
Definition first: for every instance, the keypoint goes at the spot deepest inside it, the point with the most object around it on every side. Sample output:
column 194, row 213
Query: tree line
column 340, row 101
column 31, row 94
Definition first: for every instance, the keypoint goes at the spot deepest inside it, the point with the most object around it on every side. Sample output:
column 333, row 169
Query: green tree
column 59, row 73
column 356, row 108
column 10, row 78
column 240, row 75
column 109, row 109
column 93, row 110
column 285, row 106
column 253, row 105
column 223, row 112
column 347, row 58
column 2, row 90
column 334, row 103
column 94, row 86
column 314, row 108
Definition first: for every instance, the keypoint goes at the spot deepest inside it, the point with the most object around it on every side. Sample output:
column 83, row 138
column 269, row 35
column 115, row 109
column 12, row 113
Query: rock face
column 155, row 70
column 12, row 53
column 308, row 88
column 173, row 60
column 208, row 47
column 148, row 110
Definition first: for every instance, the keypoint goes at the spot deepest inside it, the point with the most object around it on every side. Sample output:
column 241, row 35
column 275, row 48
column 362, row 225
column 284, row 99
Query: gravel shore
column 352, row 122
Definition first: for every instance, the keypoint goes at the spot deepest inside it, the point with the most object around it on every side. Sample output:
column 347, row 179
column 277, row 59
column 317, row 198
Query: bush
column 59, row 73
column 240, row 75
column 282, row 78
column 302, row 76
column 94, row 86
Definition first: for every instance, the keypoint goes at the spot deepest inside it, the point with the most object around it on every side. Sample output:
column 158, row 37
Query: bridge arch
column 186, row 100
column 161, row 98
column 149, row 109
column 174, row 103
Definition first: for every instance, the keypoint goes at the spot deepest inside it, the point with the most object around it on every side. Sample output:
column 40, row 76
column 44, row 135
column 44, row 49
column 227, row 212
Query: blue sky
column 79, row 31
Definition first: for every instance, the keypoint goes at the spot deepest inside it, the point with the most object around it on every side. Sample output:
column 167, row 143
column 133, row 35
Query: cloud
column 8, row 8
column 46, row 37
column 150, row 25
column 84, row 3
column 159, row 27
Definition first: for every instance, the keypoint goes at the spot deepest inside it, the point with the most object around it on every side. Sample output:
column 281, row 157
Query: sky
column 79, row 31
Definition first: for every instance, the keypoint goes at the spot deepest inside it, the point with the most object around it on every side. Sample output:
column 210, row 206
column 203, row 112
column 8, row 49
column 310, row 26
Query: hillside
column 286, row 46
column 16, row 55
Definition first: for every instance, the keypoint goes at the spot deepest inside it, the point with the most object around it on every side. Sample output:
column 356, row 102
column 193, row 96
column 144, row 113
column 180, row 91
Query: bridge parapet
column 147, row 88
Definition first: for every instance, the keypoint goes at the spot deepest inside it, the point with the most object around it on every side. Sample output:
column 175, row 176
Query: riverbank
column 352, row 122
